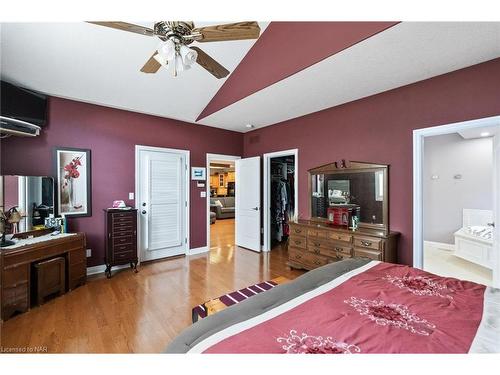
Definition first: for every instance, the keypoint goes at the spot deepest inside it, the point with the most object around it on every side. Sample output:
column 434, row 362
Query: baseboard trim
column 198, row 250
column 102, row 267
column 440, row 245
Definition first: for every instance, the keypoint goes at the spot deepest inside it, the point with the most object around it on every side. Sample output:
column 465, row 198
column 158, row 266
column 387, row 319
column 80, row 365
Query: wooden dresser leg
column 108, row 271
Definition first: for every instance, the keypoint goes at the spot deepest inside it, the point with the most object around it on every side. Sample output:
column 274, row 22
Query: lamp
column 3, row 241
column 14, row 218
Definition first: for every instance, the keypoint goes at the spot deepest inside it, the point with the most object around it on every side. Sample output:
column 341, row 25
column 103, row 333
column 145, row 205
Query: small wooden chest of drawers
column 121, row 239
column 313, row 244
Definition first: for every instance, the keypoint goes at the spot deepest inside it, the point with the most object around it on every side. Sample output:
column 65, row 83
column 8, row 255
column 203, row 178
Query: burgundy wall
column 261, row 66
column 112, row 134
column 379, row 129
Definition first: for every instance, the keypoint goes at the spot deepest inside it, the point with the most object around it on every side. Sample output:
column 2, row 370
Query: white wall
column 445, row 197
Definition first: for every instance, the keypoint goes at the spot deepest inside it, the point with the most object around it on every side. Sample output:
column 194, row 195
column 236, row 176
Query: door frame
column 211, row 157
column 187, row 192
column 419, row 136
column 267, row 191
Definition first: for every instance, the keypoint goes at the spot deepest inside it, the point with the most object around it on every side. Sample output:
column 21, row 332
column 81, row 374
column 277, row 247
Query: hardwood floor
column 143, row 312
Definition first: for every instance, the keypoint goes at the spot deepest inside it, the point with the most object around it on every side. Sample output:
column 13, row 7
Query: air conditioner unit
column 11, row 126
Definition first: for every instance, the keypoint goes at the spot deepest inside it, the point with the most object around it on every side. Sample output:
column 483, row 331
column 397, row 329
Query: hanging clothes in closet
column 281, row 199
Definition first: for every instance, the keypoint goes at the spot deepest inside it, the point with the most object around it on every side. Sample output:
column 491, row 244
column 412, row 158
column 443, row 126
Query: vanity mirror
column 353, row 189
column 31, row 196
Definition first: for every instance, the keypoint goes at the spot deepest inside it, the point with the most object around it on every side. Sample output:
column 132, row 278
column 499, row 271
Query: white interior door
column 162, row 203
column 496, row 211
column 247, row 208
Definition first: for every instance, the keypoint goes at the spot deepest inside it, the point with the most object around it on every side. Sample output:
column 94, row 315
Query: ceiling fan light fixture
column 179, row 65
column 188, row 55
column 167, row 50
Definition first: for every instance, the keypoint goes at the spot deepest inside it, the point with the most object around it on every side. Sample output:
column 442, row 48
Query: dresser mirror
column 359, row 188
column 31, row 196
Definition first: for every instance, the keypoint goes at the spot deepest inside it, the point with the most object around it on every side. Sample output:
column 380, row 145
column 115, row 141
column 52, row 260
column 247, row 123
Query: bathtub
column 474, row 241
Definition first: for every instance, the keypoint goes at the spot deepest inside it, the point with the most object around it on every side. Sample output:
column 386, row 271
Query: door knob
column 255, row 208
column 143, row 204
column 143, row 212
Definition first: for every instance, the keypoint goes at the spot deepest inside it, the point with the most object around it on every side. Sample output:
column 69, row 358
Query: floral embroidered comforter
column 376, row 308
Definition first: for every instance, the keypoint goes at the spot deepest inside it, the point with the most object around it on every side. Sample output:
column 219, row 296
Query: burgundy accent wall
column 284, row 49
column 379, row 129
column 112, row 134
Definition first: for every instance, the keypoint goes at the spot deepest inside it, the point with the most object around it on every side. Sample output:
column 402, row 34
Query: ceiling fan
column 175, row 37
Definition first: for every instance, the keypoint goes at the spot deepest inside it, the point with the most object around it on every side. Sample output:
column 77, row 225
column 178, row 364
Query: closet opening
column 280, row 197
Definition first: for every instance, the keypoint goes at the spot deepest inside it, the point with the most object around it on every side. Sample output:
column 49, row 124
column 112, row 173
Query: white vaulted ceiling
column 99, row 65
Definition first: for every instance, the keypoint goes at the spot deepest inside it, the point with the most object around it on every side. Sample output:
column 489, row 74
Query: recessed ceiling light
column 249, row 126
column 484, row 134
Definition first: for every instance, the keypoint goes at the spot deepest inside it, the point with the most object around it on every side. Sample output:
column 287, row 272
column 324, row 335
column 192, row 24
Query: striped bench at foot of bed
column 220, row 303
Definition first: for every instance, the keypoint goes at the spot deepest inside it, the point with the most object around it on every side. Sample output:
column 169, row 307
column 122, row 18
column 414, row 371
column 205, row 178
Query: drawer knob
column 366, row 243
column 297, row 231
column 317, row 244
column 298, row 242
column 298, row 256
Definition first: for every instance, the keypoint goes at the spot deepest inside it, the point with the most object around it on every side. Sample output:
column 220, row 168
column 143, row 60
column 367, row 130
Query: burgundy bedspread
column 378, row 308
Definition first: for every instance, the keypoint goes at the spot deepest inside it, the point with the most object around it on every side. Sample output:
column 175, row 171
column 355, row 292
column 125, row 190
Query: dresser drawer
column 124, row 248
column 367, row 242
column 365, row 253
column 297, row 231
column 12, row 294
column 342, row 237
column 317, row 242
column 124, row 240
column 119, row 215
column 123, row 219
column 77, row 256
column 125, row 256
column 316, row 233
column 298, row 242
column 123, row 226
column 15, row 276
column 332, row 253
column 308, row 259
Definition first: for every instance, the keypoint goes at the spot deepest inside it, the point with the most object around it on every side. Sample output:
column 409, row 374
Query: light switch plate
column 131, row 196
column 203, row 194
column 89, row 253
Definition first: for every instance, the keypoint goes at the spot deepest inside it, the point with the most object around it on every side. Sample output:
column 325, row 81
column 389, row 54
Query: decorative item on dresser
column 121, row 238
column 318, row 241
column 18, row 294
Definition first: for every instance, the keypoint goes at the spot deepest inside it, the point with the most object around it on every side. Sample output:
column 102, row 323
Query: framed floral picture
column 73, row 185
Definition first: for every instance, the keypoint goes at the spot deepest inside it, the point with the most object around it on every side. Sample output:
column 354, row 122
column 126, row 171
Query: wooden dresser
column 17, row 294
column 313, row 244
column 121, row 238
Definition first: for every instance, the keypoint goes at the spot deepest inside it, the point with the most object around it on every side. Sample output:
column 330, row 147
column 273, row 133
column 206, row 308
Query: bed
column 355, row 306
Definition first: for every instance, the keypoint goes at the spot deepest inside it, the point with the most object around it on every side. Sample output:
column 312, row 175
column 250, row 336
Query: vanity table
column 17, row 265
column 318, row 240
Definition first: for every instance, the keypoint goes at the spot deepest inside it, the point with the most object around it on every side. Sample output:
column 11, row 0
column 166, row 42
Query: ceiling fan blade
column 124, row 26
column 210, row 64
column 151, row 65
column 230, row 31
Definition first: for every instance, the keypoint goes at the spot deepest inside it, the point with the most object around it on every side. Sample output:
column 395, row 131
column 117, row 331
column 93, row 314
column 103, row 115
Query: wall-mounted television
column 22, row 104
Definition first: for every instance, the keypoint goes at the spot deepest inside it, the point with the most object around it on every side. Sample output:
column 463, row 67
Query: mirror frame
column 344, row 166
